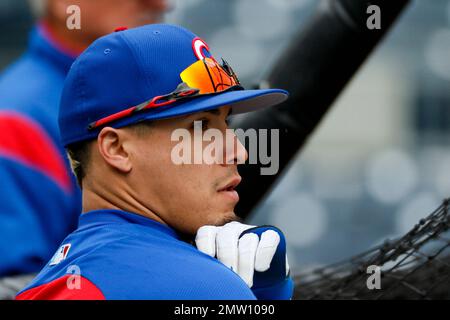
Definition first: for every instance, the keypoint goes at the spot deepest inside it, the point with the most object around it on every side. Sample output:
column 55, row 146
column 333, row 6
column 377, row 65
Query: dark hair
column 79, row 154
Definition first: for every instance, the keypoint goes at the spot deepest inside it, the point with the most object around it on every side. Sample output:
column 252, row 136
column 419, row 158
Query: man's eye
column 204, row 123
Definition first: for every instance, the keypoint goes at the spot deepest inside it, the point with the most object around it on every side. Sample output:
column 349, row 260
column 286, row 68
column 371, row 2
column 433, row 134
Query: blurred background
column 379, row 160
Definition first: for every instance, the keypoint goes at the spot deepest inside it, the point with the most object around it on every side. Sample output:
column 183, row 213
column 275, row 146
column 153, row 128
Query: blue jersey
column 120, row 255
column 39, row 200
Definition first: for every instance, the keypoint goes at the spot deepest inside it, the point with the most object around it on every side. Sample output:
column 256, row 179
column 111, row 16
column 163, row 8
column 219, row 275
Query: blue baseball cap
column 129, row 67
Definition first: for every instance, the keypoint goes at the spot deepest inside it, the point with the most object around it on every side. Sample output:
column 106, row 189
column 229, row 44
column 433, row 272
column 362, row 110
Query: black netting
column 415, row 266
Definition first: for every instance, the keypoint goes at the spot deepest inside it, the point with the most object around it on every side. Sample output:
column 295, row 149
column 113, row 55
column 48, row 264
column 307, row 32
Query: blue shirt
column 39, row 199
column 120, row 255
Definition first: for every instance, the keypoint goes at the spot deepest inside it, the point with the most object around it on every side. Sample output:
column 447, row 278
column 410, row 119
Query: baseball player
column 40, row 202
column 123, row 99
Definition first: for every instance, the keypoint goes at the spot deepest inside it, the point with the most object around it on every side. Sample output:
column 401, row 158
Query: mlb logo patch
column 60, row 254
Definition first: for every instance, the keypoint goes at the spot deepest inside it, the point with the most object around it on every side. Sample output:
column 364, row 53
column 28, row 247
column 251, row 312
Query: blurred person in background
column 40, row 201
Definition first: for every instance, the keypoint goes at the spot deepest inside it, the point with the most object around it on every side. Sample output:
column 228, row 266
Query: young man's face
column 187, row 196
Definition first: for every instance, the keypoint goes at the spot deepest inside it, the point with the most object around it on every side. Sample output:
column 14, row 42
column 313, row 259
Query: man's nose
column 235, row 152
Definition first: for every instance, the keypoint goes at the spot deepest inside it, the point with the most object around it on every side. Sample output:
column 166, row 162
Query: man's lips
column 228, row 189
column 233, row 183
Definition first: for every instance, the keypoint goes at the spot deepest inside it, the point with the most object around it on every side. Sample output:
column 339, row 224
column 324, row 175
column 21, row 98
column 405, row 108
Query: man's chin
column 189, row 236
column 226, row 218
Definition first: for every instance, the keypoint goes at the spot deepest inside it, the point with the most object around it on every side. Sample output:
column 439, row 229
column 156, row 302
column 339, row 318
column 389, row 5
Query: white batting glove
column 244, row 255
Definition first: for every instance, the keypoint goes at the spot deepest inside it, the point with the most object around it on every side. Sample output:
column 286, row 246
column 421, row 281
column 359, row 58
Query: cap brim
column 241, row 101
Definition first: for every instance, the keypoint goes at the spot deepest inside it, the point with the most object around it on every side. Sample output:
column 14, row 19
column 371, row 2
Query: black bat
column 321, row 59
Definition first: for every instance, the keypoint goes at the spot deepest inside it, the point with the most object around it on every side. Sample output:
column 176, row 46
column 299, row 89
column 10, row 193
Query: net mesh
column 415, row 266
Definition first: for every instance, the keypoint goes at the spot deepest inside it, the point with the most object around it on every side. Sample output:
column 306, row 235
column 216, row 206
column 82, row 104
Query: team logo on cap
column 201, row 49
column 60, row 254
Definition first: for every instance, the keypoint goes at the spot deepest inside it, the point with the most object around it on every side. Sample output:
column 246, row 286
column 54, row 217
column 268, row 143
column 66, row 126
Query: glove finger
column 248, row 244
column 266, row 250
column 227, row 244
column 205, row 240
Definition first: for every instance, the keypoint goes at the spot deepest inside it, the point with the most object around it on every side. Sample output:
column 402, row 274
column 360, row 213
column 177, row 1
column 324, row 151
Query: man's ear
column 110, row 144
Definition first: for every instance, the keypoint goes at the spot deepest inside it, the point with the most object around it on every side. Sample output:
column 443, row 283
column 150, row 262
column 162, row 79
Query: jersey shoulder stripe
column 25, row 141
column 69, row 287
